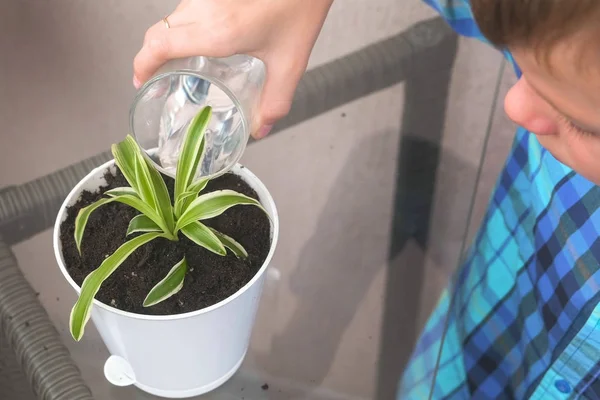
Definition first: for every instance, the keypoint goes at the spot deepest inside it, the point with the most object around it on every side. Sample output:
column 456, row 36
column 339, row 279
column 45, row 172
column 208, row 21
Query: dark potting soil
column 210, row 277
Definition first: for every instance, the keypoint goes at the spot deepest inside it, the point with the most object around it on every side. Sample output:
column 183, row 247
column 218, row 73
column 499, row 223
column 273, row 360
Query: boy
column 522, row 316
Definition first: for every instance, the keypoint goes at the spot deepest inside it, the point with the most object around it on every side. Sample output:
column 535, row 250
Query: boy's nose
column 529, row 110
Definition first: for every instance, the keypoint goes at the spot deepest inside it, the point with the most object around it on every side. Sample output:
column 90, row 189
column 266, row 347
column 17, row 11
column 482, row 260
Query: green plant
column 159, row 217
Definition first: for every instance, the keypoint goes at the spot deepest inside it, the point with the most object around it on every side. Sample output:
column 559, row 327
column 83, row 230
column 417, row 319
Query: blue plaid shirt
column 521, row 318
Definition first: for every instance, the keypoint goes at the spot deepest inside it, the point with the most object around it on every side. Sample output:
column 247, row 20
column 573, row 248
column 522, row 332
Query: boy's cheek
column 586, row 160
column 553, row 145
column 580, row 153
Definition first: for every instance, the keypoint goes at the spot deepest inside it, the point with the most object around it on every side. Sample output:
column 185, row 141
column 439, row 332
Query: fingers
column 278, row 93
column 162, row 44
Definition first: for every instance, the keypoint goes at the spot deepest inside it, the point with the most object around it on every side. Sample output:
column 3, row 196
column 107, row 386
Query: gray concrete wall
column 353, row 289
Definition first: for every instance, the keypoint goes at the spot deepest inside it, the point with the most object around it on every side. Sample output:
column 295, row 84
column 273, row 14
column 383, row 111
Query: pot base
column 182, row 394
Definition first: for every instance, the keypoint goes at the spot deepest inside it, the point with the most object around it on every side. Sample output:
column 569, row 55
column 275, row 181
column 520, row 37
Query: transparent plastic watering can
column 166, row 104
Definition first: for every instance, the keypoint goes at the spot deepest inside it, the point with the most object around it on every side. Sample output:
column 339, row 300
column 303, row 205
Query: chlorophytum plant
column 159, row 217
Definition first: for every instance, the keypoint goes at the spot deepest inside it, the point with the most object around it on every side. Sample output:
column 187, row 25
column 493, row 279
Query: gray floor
column 342, row 318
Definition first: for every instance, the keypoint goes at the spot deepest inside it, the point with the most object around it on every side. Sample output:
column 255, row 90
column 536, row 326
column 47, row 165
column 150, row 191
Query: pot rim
column 76, row 191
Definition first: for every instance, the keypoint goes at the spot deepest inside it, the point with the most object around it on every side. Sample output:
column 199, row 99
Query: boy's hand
column 281, row 33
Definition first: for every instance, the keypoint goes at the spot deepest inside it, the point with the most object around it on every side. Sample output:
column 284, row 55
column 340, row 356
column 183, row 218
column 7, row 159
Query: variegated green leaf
column 144, row 179
column 186, row 198
column 198, row 185
column 203, row 236
column 169, row 285
column 192, row 151
column 141, row 223
column 181, row 200
column 163, row 199
column 82, row 219
column 213, row 204
column 229, row 242
column 124, row 155
column 80, row 314
column 120, row 191
column 142, row 176
column 145, row 209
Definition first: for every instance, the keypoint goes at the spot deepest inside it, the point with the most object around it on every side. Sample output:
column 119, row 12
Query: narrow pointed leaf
column 124, row 156
column 163, row 199
column 145, row 209
column 142, row 176
column 80, row 314
column 141, row 223
column 120, row 191
column 192, row 151
column 235, row 247
column 169, row 285
column 198, row 185
column 213, row 204
column 203, row 236
column 145, row 180
column 82, row 219
column 180, row 203
column 186, row 198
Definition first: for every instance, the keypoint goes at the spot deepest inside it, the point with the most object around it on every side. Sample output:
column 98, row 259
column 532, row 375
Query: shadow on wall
column 346, row 266
column 346, row 252
column 418, row 160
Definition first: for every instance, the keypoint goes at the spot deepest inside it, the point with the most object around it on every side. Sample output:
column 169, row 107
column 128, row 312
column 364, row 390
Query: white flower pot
column 176, row 356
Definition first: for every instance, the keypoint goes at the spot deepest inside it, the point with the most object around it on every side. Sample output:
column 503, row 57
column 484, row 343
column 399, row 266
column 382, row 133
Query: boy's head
column 557, row 46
